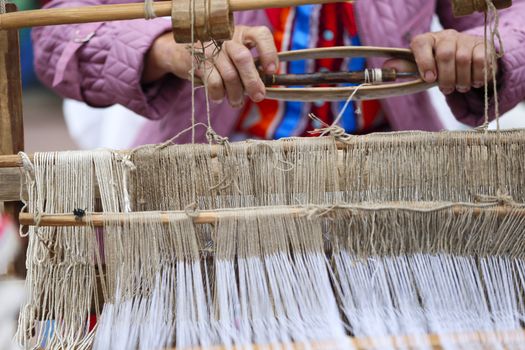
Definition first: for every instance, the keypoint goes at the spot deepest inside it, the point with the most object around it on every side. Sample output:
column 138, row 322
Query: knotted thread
column 333, row 130
column 149, row 11
column 500, row 198
column 491, row 28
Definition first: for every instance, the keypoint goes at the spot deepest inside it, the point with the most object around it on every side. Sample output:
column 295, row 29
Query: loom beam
column 212, row 216
column 102, row 13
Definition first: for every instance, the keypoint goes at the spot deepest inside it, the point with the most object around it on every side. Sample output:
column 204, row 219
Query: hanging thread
column 490, row 34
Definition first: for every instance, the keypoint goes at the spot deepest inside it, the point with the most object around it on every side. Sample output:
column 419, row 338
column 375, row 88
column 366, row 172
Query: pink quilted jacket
column 102, row 64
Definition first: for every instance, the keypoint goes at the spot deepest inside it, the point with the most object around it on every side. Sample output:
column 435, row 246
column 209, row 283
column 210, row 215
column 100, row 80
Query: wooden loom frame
column 12, row 142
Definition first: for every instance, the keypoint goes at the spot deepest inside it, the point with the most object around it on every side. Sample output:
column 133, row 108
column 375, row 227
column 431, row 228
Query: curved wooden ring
column 213, row 20
column 342, row 93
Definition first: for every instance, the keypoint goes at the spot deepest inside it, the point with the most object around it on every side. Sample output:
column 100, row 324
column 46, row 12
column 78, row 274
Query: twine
column 149, row 11
column 491, row 31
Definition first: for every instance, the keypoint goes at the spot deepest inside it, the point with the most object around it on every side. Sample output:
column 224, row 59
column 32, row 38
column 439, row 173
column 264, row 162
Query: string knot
column 333, row 130
column 500, row 198
column 127, row 163
column 191, row 210
column 212, row 136
column 149, row 11
column 314, row 211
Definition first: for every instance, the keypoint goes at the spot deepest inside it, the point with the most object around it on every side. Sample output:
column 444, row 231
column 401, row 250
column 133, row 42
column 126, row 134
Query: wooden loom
column 11, row 131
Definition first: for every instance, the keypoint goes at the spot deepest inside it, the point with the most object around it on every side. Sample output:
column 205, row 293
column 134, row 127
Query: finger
column 213, row 80
column 230, row 78
column 262, row 38
column 242, row 59
column 465, row 48
column 400, row 65
column 446, row 64
column 422, row 47
column 478, row 65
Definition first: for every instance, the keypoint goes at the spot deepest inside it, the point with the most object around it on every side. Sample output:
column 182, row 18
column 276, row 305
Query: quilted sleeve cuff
column 112, row 65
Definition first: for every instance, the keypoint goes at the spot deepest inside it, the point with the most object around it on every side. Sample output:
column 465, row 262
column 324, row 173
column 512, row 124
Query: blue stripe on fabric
column 300, row 39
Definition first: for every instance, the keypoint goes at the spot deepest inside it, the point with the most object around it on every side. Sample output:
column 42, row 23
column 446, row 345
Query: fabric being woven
column 398, row 235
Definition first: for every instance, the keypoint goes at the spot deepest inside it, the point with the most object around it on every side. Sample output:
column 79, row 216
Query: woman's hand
column 230, row 74
column 455, row 60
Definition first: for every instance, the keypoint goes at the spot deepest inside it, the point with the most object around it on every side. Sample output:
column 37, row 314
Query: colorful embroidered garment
column 300, row 28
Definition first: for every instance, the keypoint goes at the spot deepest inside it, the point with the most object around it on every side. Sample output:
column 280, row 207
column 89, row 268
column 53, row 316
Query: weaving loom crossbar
column 212, row 216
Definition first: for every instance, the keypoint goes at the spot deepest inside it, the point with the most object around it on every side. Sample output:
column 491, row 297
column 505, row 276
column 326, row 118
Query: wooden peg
column 212, row 19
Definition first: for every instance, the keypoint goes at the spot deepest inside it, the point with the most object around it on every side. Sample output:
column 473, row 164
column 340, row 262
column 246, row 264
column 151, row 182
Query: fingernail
column 218, row 101
column 271, row 68
column 258, row 97
column 477, row 84
column 429, row 76
column 447, row 91
column 238, row 104
column 462, row 89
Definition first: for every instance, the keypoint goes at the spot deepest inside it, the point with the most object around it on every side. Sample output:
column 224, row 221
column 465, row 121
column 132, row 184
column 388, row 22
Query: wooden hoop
column 342, row 93
column 213, row 20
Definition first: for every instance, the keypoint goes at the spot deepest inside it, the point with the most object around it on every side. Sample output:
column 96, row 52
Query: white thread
column 149, row 11
column 2, row 6
column 128, row 167
column 373, row 76
column 28, row 180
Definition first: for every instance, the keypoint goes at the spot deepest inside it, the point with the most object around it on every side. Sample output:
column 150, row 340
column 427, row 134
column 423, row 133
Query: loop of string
column 289, row 166
column 372, row 76
column 501, row 198
column 149, row 11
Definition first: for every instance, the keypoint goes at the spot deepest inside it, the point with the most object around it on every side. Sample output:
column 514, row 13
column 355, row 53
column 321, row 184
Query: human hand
column 231, row 73
column 455, row 60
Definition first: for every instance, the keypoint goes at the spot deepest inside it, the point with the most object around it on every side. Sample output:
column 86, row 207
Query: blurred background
column 45, row 129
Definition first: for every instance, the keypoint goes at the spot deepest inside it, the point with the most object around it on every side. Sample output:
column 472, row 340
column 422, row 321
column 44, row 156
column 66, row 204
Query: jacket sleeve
column 469, row 108
column 101, row 63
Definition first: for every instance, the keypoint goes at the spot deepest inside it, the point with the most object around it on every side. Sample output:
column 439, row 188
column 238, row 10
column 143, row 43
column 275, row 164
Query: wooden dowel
column 101, row 219
column 474, row 339
column 330, row 78
column 14, row 160
column 103, row 13
column 211, row 216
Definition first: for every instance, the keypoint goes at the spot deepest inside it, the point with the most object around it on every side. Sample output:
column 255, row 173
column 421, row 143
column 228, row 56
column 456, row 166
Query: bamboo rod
column 115, row 12
column 211, row 216
column 15, row 161
column 511, row 337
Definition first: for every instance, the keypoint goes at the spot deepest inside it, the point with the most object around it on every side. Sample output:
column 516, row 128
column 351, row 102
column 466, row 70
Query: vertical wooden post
column 11, row 119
